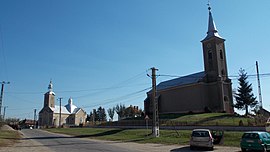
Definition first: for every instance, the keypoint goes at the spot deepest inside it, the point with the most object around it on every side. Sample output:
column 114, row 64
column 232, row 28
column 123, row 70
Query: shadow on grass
column 211, row 119
column 106, row 133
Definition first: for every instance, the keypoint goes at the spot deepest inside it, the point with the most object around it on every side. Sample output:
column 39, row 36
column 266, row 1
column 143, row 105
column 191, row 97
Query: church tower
column 214, row 55
column 49, row 97
column 215, row 68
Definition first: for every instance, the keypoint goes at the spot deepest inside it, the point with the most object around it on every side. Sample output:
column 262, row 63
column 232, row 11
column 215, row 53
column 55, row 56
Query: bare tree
column 120, row 110
column 111, row 113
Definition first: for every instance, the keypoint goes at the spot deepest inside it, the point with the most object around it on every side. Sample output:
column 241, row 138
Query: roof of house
column 70, row 108
column 189, row 79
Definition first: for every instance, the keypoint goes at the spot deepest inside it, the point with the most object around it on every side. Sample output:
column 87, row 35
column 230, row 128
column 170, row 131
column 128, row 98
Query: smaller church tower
column 49, row 97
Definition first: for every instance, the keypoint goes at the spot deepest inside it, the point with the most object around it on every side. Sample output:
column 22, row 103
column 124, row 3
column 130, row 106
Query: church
column 206, row 91
column 52, row 115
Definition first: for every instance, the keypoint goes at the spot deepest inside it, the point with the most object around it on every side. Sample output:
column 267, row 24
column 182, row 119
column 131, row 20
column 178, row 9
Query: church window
column 226, row 98
column 221, row 54
column 222, row 72
column 210, row 56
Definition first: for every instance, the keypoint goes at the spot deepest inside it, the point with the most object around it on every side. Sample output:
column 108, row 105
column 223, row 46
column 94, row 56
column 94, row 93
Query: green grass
column 166, row 136
column 205, row 119
column 8, row 137
column 140, row 135
column 211, row 119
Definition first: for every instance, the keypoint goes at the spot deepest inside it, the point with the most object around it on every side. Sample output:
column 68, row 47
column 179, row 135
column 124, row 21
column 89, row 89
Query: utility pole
column 60, row 100
column 94, row 116
column 259, row 85
column 155, row 124
column 35, row 117
column 1, row 96
column 4, row 112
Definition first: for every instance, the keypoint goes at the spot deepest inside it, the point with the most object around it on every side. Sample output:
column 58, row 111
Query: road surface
column 39, row 140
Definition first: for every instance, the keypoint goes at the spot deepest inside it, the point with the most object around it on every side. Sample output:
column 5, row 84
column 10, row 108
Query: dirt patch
column 8, row 136
column 7, row 127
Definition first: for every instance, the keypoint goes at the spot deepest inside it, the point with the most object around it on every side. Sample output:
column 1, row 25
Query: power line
column 117, row 99
column 231, row 76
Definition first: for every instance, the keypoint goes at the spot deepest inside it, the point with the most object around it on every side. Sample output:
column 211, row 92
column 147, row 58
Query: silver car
column 201, row 138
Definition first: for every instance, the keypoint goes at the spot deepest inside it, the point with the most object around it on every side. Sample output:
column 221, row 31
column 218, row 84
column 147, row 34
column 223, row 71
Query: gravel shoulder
column 23, row 145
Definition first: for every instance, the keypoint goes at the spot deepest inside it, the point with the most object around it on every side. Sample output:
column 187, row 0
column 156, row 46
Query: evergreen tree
column 94, row 115
column 101, row 114
column 88, row 118
column 244, row 96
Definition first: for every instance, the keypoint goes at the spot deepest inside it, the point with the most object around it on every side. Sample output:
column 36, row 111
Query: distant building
column 132, row 112
column 49, row 115
column 209, row 90
column 27, row 123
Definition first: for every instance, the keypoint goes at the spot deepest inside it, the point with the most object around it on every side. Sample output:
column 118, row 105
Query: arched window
column 221, row 54
column 226, row 98
column 210, row 55
column 222, row 72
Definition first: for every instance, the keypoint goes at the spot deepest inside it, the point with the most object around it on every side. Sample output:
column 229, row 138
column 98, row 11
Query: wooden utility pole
column 1, row 96
column 60, row 100
column 35, row 118
column 259, row 85
column 4, row 112
column 155, row 124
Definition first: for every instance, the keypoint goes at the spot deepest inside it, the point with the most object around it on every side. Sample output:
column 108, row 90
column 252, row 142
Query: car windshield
column 200, row 134
column 251, row 136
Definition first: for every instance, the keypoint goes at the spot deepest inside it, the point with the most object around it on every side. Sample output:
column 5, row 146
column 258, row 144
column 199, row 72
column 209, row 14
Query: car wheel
column 264, row 149
column 243, row 149
column 211, row 148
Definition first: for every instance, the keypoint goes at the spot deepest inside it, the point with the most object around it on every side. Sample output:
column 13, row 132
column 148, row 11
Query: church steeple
column 49, row 96
column 212, row 29
column 50, row 87
column 215, row 65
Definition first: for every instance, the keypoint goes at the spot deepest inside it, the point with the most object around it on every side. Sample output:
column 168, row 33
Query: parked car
column 201, row 138
column 255, row 140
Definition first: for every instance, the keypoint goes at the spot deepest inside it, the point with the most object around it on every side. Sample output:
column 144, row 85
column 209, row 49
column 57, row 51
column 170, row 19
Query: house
column 27, row 123
column 206, row 91
column 52, row 115
column 132, row 111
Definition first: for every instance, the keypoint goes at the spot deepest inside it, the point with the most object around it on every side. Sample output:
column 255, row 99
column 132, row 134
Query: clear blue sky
column 98, row 51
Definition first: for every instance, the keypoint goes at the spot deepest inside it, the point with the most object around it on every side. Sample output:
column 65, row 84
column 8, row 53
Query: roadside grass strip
column 8, row 137
column 168, row 137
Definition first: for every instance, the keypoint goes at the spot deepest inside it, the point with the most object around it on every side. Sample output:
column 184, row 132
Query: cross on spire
column 212, row 30
column 208, row 4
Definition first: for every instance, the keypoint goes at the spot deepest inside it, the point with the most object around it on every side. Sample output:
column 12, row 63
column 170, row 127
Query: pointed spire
column 212, row 30
column 70, row 101
column 50, row 87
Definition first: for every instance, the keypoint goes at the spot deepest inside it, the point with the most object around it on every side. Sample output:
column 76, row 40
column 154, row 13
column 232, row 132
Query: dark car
column 255, row 140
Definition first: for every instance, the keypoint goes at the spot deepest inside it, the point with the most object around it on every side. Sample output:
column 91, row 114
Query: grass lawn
column 204, row 119
column 212, row 119
column 8, row 137
column 140, row 135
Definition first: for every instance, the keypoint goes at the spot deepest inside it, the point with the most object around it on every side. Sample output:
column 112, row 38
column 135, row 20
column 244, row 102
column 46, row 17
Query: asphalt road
column 62, row 143
column 36, row 140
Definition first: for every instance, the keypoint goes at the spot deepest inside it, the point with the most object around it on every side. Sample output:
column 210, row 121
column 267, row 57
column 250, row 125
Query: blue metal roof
column 189, row 79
